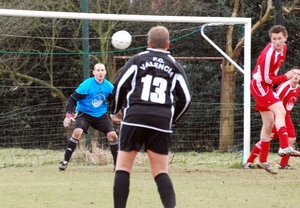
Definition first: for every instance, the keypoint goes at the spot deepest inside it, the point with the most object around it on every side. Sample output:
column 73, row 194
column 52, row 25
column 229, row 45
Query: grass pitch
column 196, row 185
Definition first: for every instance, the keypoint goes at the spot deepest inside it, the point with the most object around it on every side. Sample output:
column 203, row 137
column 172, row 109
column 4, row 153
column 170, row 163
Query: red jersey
column 268, row 64
column 288, row 95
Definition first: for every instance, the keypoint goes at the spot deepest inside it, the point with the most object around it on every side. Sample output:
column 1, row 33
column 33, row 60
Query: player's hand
column 68, row 120
column 120, row 114
column 116, row 118
column 290, row 74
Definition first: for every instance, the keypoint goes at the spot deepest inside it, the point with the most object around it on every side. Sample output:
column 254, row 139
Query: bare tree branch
column 292, row 8
column 267, row 16
column 37, row 81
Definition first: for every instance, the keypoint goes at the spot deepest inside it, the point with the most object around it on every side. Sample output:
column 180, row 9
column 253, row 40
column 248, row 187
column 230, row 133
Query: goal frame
column 183, row 19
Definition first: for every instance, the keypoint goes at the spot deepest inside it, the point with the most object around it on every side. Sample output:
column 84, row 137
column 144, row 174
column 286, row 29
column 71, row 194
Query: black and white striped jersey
column 154, row 90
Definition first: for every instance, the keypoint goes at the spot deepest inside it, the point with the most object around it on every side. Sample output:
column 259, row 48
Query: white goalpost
column 209, row 21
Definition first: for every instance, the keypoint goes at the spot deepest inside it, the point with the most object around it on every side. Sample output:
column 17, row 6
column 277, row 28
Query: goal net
column 43, row 65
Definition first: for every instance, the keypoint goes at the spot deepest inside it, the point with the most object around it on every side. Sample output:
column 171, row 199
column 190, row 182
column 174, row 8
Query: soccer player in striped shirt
column 149, row 82
column 268, row 103
column 288, row 92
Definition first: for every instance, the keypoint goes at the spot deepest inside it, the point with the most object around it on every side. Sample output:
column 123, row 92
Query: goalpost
column 209, row 21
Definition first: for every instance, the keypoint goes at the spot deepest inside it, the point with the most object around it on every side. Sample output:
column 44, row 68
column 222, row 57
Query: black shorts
column 102, row 124
column 133, row 138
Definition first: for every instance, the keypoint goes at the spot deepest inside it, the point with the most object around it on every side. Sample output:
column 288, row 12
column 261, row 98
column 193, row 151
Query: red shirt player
column 288, row 92
column 268, row 104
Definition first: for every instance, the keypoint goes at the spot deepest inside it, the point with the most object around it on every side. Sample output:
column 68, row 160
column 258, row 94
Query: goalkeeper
column 91, row 107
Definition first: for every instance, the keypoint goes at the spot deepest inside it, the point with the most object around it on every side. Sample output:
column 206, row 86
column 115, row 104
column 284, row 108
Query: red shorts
column 289, row 128
column 263, row 95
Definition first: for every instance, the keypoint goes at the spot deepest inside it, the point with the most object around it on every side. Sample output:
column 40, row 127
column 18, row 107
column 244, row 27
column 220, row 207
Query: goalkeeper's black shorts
column 102, row 124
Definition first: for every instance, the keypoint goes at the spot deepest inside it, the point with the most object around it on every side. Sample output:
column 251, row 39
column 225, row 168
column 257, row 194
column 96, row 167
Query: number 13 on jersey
column 160, row 84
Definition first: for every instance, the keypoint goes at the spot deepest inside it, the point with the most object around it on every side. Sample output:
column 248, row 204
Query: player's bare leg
column 121, row 183
column 265, row 134
column 159, row 170
column 285, row 149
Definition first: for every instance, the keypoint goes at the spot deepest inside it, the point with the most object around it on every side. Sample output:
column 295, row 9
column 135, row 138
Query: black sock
column 121, row 188
column 71, row 146
column 114, row 147
column 165, row 190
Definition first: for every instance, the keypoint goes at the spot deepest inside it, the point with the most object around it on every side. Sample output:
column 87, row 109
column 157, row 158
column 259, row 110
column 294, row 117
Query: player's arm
column 282, row 90
column 278, row 79
column 115, row 118
column 122, row 85
column 72, row 100
column 282, row 78
column 71, row 103
column 264, row 64
column 183, row 95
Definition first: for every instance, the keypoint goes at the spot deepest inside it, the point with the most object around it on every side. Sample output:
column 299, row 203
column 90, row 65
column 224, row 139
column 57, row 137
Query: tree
column 21, row 73
column 49, row 39
column 104, row 29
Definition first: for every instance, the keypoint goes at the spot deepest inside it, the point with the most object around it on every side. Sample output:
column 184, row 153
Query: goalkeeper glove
column 68, row 120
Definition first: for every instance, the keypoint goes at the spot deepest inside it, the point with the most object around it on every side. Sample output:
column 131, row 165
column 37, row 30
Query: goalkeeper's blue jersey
column 94, row 103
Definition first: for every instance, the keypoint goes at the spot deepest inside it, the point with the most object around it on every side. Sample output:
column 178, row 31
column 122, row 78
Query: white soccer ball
column 121, row 39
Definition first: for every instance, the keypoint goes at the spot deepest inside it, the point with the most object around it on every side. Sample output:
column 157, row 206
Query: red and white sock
column 254, row 153
column 264, row 151
column 283, row 137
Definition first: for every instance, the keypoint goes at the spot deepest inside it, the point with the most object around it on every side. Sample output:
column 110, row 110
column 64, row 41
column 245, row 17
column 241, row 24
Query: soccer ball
column 121, row 39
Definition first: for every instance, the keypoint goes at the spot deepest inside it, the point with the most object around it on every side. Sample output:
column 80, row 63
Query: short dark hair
column 278, row 29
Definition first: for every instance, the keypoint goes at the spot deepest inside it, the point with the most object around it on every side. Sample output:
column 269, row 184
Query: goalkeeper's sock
column 264, row 152
column 255, row 152
column 165, row 190
column 71, row 146
column 121, row 188
column 114, row 151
